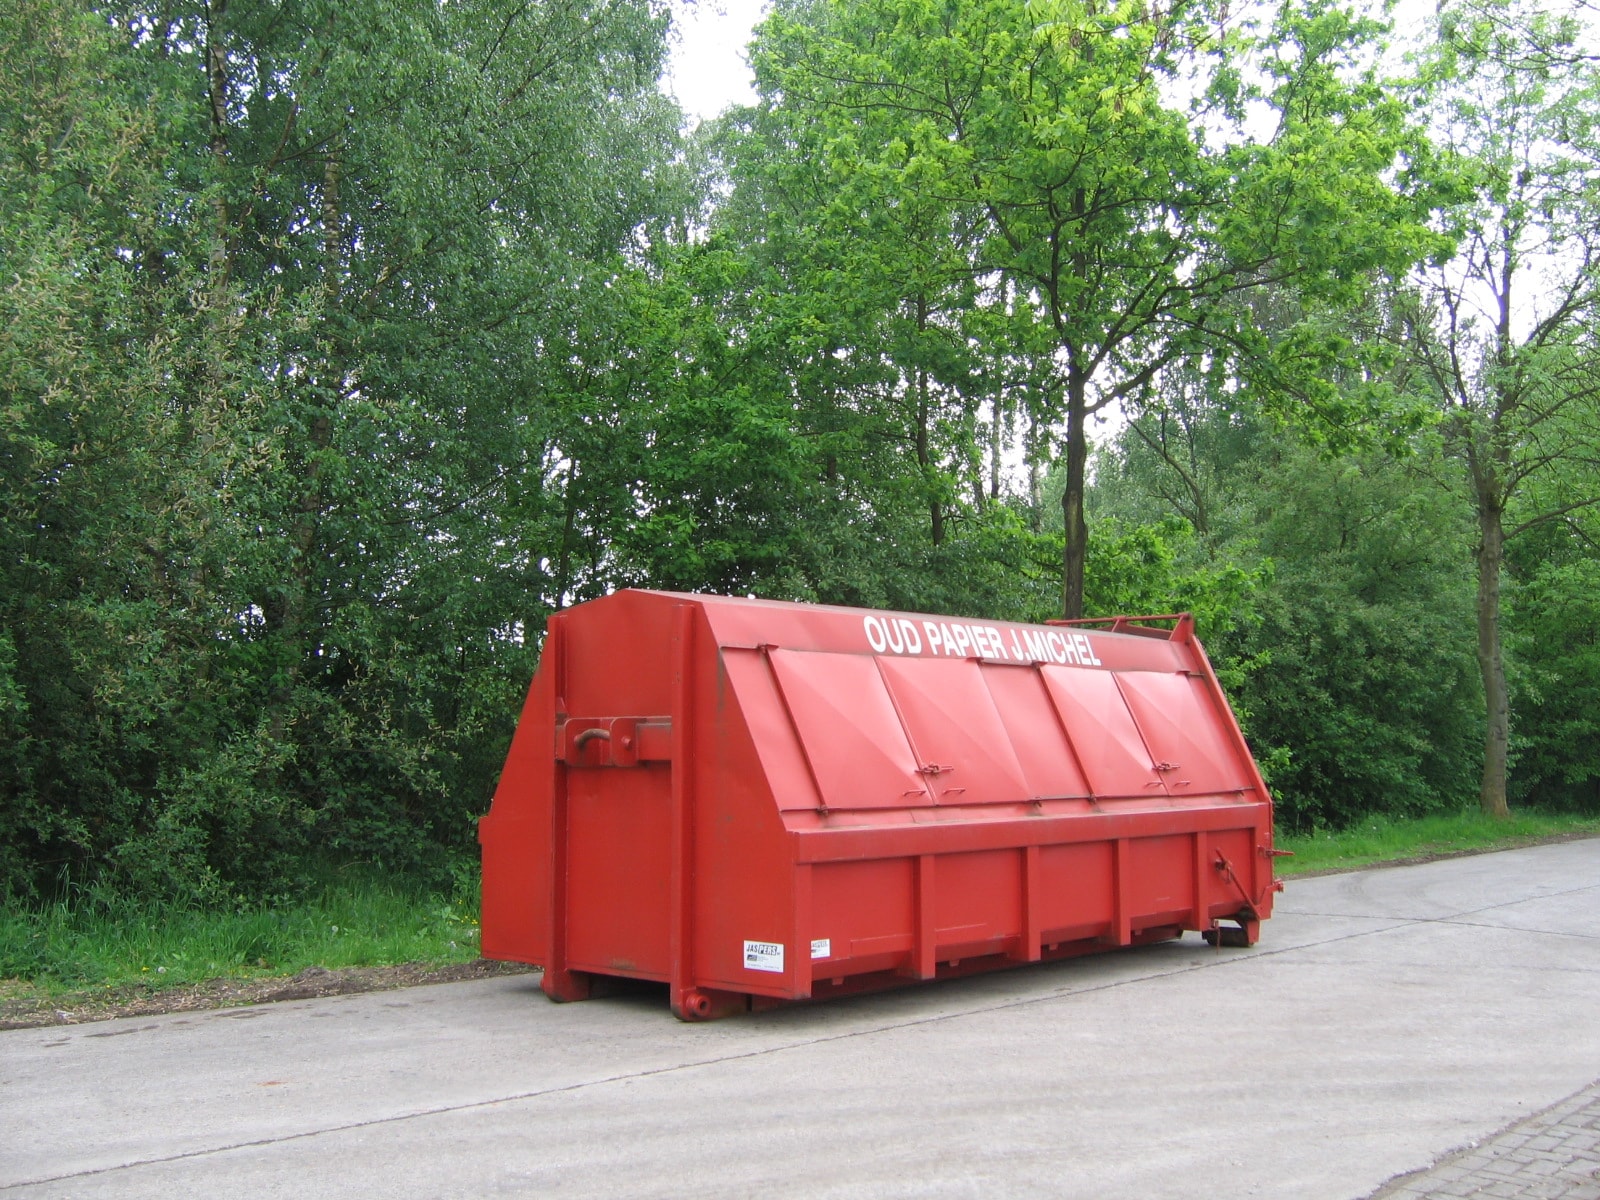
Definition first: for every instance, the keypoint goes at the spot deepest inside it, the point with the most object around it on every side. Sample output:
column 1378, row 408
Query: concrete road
column 1387, row 1019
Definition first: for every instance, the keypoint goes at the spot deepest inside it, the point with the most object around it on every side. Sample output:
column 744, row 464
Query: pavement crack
column 1555, row 933
column 1458, row 921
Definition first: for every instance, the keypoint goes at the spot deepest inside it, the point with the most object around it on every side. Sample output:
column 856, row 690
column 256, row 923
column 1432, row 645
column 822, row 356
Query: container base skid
column 755, row 803
column 706, row 1004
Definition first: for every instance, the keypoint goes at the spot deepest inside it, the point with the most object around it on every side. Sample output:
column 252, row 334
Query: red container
column 754, row 801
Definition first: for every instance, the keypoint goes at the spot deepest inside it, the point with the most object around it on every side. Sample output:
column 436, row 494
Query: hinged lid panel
column 852, row 735
column 962, row 745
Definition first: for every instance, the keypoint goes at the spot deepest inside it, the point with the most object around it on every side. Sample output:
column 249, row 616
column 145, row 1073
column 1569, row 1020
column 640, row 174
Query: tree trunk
column 1491, row 661
column 1073, row 523
column 1035, row 477
column 923, row 440
column 996, row 445
column 304, row 532
column 569, row 529
column 925, row 461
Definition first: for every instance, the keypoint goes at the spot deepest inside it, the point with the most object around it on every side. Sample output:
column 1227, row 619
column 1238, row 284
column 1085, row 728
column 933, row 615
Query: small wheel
column 1239, row 936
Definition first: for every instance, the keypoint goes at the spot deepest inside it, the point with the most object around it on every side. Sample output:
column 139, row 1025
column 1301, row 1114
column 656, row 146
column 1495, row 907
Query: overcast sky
column 708, row 70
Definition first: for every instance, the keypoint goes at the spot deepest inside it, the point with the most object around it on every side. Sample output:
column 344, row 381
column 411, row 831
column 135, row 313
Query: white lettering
column 1086, row 651
column 896, row 636
column 1057, row 645
column 963, row 640
column 877, row 638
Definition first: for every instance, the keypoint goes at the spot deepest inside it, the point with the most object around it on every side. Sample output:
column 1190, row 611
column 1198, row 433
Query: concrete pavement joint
column 1454, row 918
column 1555, row 933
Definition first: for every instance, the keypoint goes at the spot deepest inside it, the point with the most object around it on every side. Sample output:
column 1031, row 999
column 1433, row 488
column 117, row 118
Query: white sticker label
column 764, row 956
column 821, row 948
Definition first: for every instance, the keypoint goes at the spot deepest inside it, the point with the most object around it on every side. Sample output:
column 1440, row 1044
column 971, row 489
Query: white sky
column 708, row 70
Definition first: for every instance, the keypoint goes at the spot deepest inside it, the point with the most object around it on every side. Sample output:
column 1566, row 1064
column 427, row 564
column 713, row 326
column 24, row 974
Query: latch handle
column 613, row 741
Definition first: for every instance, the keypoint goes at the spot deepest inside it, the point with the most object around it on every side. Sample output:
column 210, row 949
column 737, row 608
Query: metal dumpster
column 754, row 801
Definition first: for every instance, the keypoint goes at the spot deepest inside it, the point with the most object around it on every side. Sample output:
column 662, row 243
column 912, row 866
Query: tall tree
column 1505, row 333
column 1130, row 220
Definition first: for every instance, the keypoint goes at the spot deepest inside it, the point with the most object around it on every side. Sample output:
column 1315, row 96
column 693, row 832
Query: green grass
column 1378, row 840
column 99, row 944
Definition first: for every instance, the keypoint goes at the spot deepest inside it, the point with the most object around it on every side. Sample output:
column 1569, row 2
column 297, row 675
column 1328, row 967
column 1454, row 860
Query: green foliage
column 1160, row 568
column 1332, row 594
column 1030, row 168
column 280, row 446
column 1553, row 628
column 1372, row 705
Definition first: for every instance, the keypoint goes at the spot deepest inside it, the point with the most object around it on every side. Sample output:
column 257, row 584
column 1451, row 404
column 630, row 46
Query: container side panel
column 761, row 706
column 1077, row 888
column 619, row 826
column 619, row 656
column 1103, row 732
column 1048, row 763
column 1160, row 875
column 516, row 838
column 852, row 735
column 744, row 752
column 864, row 910
column 1183, row 728
column 516, row 893
column 979, row 897
column 955, row 728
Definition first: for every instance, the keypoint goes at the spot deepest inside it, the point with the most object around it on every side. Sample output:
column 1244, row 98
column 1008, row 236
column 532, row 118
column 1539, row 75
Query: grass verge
column 97, row 946
column 1379, row 840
